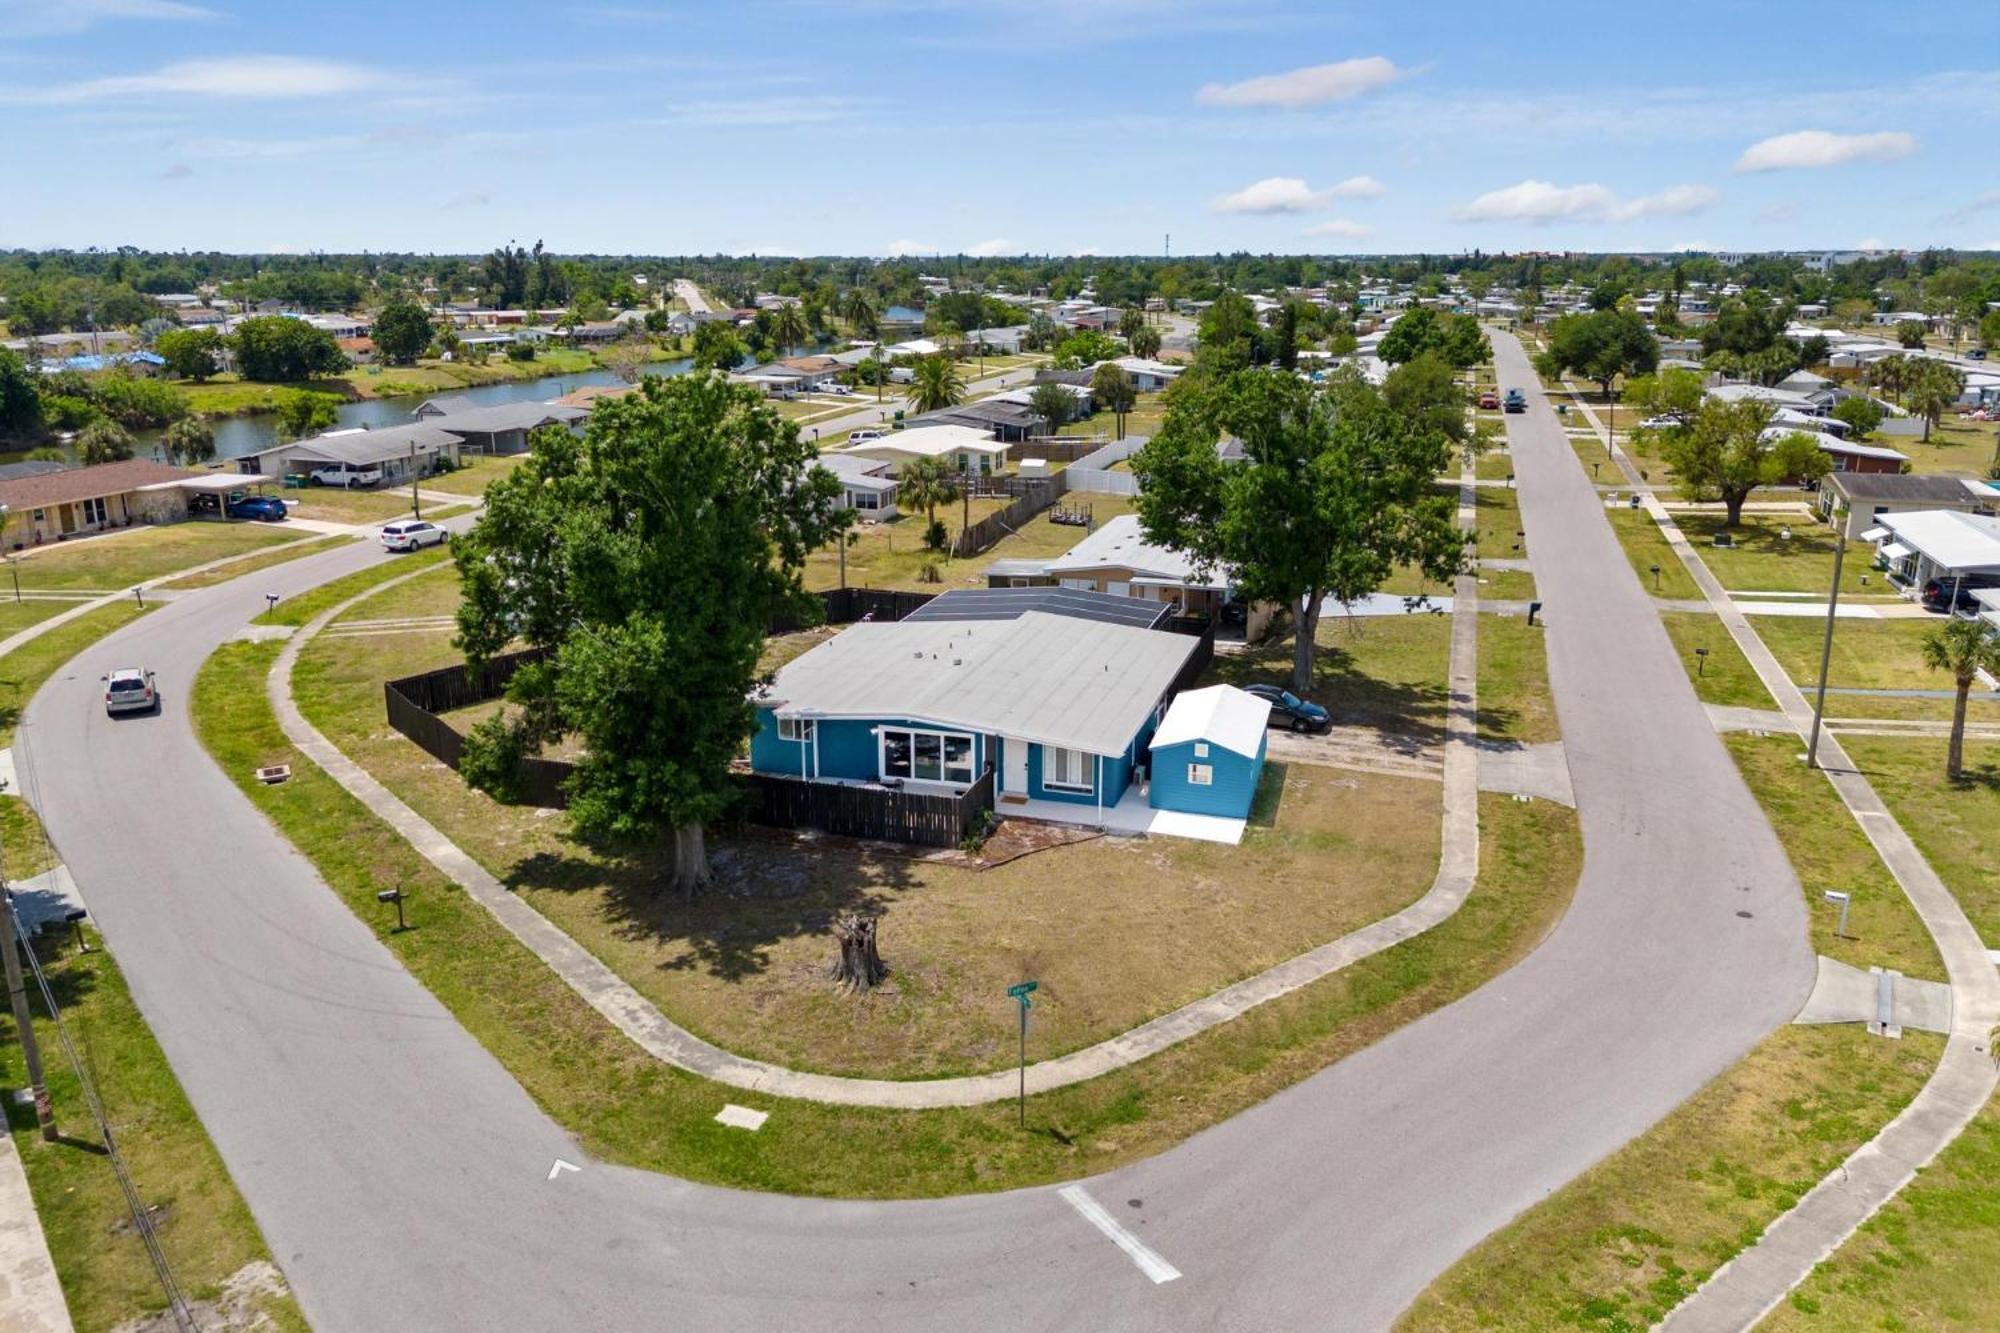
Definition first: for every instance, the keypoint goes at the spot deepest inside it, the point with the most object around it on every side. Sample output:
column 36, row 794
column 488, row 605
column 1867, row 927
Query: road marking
column 1150, row 1263
column 562, row 1166
column 742, row 1117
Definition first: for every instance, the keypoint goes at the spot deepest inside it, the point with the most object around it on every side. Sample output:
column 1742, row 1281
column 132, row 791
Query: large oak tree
column 646, row 559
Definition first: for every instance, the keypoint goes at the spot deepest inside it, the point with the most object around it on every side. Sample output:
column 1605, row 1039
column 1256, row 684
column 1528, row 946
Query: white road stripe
column 1150, row 1263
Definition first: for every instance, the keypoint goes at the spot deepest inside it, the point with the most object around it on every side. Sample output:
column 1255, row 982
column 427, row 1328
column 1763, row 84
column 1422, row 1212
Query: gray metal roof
column 1120, row 543
column 1907, row 488
column 502, row 417
column 1051, row 679
column 362, row 447
column 1012, row 603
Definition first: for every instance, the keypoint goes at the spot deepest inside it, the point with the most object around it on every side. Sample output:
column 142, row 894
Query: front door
column 1014, row 768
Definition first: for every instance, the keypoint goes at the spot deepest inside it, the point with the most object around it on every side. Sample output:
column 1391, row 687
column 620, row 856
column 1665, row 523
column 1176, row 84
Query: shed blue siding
column 1231, row 793
column 1116, row 777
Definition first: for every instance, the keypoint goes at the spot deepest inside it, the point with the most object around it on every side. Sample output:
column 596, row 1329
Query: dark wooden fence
column 868, row 812
column 1058, row 448
column 1204, row 653
column 1038, row 495
column 414, row 703
column 844, row 606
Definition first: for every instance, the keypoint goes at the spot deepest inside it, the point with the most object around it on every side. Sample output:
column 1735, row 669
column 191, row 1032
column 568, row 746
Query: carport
column 215, row 484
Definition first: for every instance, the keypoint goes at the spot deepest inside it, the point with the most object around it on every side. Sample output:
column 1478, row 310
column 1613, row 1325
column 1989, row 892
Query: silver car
column 130, row 690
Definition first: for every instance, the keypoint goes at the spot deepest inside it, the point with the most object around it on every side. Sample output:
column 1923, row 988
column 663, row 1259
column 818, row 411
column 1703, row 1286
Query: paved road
column 400, row 1175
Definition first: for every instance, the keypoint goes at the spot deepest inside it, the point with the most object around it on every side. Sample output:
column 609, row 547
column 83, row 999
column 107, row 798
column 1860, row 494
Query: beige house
column 50, row 506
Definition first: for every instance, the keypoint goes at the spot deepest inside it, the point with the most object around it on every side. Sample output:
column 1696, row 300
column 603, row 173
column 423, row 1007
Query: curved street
column 403, row 1179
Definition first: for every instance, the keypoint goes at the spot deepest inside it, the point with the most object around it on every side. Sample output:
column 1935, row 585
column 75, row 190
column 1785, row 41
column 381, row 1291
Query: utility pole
column 17, row 994
column 416, row 505
column 1826, row 644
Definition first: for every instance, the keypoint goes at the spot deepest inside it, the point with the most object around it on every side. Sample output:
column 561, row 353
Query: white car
column 1666, row 422
column 834, row 387
column 130, row 690
column 411, row 534
column 347, row 477
column 864, row 436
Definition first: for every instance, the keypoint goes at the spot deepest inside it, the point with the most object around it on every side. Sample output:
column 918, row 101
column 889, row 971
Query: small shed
column 1208, row 753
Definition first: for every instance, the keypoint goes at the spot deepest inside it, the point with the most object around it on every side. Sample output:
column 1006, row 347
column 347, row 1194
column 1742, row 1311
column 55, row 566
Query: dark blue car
column 269, row 508
column 1287, row 709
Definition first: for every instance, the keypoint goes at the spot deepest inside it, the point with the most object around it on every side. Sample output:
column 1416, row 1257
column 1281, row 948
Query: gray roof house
column 395, row 450
column 1855, row 501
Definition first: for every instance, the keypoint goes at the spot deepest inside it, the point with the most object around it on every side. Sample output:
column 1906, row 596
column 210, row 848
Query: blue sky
column 925, row 126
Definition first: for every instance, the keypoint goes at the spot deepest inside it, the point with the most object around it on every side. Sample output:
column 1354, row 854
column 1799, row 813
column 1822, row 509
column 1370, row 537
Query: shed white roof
column 1221, row 714
column 929, row 442
column 1950, row 538
column 1055, row 680
column 1121, row 544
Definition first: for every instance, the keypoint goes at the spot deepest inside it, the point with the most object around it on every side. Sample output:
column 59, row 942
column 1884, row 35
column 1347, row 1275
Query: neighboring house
column 779, row 380
column 968, row 450
column 1856, row 501
column 38, row 507
column 1942, row 544
column 865, row 485
column 1147, row 375
column 1000, row 342
column 395, row 450
column 1851, row 457
column 1207, row 755
column 503, row 428
column 1056, row 694
column 1118, row 561
column 1011, row 422
column 440, row 407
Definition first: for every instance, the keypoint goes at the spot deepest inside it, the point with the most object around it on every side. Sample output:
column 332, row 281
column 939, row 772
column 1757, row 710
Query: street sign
column 1021, row 992
column 1024, row 990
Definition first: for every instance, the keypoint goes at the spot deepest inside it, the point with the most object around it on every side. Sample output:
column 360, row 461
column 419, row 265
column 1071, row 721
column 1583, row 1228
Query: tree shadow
column 1410, row 716
column 768, row 888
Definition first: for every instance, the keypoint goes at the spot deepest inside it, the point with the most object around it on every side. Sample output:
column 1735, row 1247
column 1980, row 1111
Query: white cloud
column 1310, row 86
column 253, row 149
column 999, row 245
column 1673, row 202
column 1542, row 202
column 1289, row 194
column 910, row 249
column 1337, row 227
column 223, row 76
column 1823, row 148
column 1984, row 202
column 41, row 18
column 768, row 112
column 1872, row 243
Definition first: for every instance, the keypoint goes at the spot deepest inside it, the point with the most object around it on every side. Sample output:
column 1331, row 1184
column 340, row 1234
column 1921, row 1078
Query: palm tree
column 1964, row 648
column 190, row 440
column 1891, row 373
column 937, row 385
column 103, row 441
column 1112, row 388
column 858, row 308
column 1145, row 342
column 788, row 326
column 928, row 482
column 1053, row 403
column 1933, row 387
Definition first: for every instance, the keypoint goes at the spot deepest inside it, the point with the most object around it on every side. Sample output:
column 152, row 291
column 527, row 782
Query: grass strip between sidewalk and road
column 250, row 564
column 629, row 1108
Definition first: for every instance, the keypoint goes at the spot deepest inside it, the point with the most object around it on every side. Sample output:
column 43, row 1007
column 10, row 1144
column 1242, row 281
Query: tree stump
column 859, row 967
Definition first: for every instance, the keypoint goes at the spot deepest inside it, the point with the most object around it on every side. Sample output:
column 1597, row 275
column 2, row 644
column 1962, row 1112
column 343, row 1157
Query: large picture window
column 1068, row 770
column 926, row 756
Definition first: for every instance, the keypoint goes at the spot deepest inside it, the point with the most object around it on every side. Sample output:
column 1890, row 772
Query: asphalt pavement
column 404, row 1180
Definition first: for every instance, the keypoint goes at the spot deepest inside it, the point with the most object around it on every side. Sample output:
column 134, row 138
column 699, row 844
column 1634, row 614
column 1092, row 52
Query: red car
column 1489, row 399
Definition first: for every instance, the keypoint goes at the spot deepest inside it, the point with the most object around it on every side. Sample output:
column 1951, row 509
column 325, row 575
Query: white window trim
column 1201, row 775
column 1201, row 749
column 971, row 770
column 800, row 729
column 1083, row 764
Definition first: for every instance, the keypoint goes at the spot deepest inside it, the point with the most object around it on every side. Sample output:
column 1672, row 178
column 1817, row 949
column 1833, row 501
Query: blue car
column 1287, row 709
column 266, row 507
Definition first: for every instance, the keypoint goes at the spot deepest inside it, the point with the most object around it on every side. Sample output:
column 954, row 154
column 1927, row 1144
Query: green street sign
column 1024, row 990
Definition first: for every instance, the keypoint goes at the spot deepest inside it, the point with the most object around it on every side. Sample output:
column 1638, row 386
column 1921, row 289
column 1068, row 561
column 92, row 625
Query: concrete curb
column 639, row 1019
column 1741, row 1292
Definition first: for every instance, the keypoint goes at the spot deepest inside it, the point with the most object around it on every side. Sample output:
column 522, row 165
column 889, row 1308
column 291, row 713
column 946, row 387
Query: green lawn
column 1514, row 700
column 1870, row 654
column 250, row 564
column 626, row 1107
column 1966, row 448
column 1725, row 677
column 893, row 555
column 1764, row 559
column 17, row 616
column 115, row 561
column 1388, row 672
column 1506, row 585
column 1956, row 825
column 1497, row 523
column 474, row 474
column 338, row 504
column 226, row 395
column 1646, row 547
column 1625, row 1242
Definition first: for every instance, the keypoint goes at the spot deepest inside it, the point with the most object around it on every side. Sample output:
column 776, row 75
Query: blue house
column 1208, row 752
column 1056, row 692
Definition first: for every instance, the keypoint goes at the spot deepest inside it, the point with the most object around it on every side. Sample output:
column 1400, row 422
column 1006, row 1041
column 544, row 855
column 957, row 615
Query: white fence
column 1093, row 472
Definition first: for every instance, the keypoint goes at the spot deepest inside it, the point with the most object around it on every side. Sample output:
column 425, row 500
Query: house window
column 926, row 756
column 864, row 500
column 795, row 729
column 1201, row 775
column 1066, row 770
column 1201, row 749
column 93, row 510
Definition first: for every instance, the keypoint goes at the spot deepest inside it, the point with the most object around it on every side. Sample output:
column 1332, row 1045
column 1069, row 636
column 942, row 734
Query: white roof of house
column 929, row 442
column 1121, row 544
column 1221, row 714
column 1738, row 393
column 1054, row 680
column 1950, row 538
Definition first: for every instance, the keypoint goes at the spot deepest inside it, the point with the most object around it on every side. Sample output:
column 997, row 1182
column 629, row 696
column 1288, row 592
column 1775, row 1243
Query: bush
column 520, row 351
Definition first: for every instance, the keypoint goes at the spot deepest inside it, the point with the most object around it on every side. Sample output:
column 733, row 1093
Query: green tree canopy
column 1053, row 403
column 1600, row 346
column 1456, row 339
column 301, row 413
column 191, row 354
column 646, row 559
column 277, row 348
column 1112, row 389
column 1861, row 413
column 1932, row 389
column 20, row 396
column 402, row 332
column 936, row 385
column 1338, row 489
column 716, row 346
column 103, row 441
column 1720, row 453
column 1144, row 341
column 189, row 441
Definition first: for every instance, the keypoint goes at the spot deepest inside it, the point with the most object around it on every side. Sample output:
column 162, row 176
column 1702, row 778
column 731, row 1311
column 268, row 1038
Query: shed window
column 795, row 729
column 1201, row 749
column 1068, row 770
column 1201, row 775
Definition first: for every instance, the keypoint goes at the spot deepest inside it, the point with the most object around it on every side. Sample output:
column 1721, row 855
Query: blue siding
column 1231, row 794
column 1117, row 776
column 847, row 747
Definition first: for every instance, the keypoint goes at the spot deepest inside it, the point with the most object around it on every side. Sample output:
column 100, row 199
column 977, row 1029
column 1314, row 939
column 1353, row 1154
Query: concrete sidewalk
column 31, row 1299
column 1745, row 1289
column 638, row 1018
